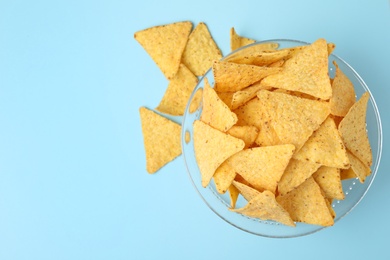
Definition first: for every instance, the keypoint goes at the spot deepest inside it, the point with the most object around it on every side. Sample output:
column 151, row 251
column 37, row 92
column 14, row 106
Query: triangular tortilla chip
column 294, row 119
column 196, row 100
column 226, row 97
column 240, row 97
column 306, row 71
column 296, row 173
column 233, row 194
column 360, row 169
column 328, row 178
column 223, row 177
column 307, row 204
column 215, row 112
column 208, row 152
column 265, row 207
column 237, row 41
column 254, row 113
column 353, row 131
column 247, row 133
column 325, row 147
column 343, row 96
column 256, row 55
column 178, row 92
column 246, row 191
column 231, row 77
column 262, row 167
column 161, row 139
column 346, row 174
column 201, row 50
column 165, row 44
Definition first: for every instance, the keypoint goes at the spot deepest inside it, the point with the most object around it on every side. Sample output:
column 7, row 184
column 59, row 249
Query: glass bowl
column 220, row 203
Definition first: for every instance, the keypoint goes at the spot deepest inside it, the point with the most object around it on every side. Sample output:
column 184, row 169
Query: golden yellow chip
column 196, row 100
column 294, row 119
column 246, row 191
column 161, row 139
column 306, row 72
column 346, row 174
column 223, row 177
column 231, row 77
column 265, row 207
column 226, row 97
column 240, row 97
column 165, row 45
column 233, row 194
column 296, row 173
column 360, row 169
column 201, row 50
column 331, row 46
column 247, row 133
column 262, row 167
column 328, row 178
column 325, row 147
column 179, row 90
column 307, row 204
column 353, row 131
column 253, row 113
column 256, row 55
column 343, row 94
column 237, row 41
column 215, row 112
column 208, row 152
column 329, row 204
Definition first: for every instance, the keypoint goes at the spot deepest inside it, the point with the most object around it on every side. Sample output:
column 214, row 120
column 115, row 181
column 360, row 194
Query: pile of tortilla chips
column 274, row 127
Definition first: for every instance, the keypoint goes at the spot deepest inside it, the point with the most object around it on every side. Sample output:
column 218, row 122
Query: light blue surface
column 73, row 183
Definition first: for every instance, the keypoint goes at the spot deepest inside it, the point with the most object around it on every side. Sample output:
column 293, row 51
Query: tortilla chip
column 201, row 50
column 331, row 46
column 215, row 112
column 360, row 169
column 262, row 167
column 254, row 113
column 307, row 204
column 237, row 41
column 294, row 119
column 231, row 77
column 161, row 139
column 296, row 173
column 233, row 194
column 208, row 152
column 353, row 131
column 165, row 45
column 178, row 92
column 223, row 177
column 306, row 72
column 196, row 100
column 226, row 97
column 328, row 178
column 256, row 55
column 346, row 174
column 246, row 191
column 343, row 94
column 240, row 97
column 265, row 207
column 330, row 207
column 247, row 133
column 325, row 147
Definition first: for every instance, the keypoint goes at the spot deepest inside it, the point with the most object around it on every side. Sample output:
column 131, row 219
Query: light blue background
column 73, row 183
